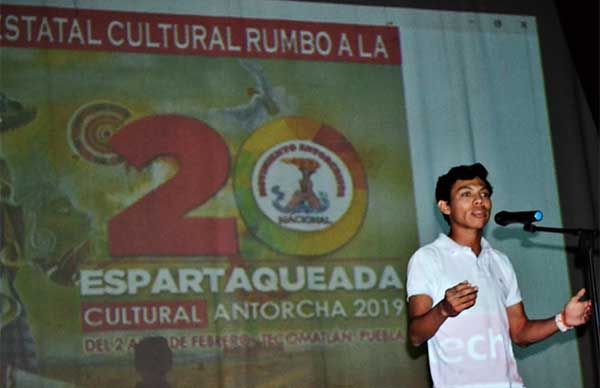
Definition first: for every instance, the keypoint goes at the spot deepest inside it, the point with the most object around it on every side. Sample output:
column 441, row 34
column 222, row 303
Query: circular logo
column 92, row 126
column 300, row 187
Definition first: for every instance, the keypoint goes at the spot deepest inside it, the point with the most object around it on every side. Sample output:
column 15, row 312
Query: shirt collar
column 454, row 247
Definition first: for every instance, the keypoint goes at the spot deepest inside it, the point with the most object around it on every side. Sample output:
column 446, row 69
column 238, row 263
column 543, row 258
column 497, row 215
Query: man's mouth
column 480, row 213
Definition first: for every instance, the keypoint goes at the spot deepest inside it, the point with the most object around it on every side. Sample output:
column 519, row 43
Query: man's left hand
column 577, row 312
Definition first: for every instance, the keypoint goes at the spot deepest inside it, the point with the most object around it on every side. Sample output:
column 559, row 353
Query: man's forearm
column 534, row 331
column 423, row 327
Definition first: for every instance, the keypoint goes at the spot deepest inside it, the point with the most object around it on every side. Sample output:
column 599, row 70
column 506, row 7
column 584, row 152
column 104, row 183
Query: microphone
column 504, row 218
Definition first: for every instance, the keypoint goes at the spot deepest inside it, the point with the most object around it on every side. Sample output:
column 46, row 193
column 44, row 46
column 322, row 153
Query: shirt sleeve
column 420, row 275
column 514, row 293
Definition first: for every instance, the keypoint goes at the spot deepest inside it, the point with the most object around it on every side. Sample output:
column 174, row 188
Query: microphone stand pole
column 585, row 254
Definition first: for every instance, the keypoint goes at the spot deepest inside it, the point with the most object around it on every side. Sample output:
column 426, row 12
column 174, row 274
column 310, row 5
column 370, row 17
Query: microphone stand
column 585, row 254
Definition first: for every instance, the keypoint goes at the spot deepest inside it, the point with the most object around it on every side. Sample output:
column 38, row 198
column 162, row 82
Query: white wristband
column 560, row 323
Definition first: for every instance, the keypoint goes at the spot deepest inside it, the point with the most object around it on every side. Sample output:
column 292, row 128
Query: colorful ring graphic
column 294, row 148
column 92, row 126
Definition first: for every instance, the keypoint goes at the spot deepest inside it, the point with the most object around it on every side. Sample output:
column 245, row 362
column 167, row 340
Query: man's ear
column 444, row 207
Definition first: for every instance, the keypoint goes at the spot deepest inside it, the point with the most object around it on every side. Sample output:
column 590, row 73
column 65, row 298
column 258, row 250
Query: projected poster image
column 247, row 220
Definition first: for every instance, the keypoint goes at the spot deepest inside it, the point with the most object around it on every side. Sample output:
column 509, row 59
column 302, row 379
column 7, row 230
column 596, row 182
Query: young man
column 464, row 299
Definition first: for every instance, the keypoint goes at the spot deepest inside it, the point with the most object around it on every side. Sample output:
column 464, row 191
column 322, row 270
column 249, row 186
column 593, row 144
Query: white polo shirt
column 473, row 349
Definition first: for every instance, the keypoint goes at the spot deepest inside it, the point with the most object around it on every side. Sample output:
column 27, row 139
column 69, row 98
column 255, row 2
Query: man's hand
column 577, row 312
column 458, row 298
column 425, row 320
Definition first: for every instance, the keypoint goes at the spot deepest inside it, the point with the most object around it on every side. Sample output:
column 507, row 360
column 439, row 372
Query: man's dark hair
column 446, row 181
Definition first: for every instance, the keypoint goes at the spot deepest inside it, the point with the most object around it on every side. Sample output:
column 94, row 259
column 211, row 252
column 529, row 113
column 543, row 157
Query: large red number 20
column 156, row 224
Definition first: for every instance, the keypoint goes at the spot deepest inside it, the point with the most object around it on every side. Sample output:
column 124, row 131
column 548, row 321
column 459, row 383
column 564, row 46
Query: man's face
column 470, row 205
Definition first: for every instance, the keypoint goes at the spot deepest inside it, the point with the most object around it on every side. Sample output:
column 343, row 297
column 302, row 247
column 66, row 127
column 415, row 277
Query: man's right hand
column 458, row 298
column 425, row 320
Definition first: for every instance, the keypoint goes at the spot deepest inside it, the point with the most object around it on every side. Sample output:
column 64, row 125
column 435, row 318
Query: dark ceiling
column 579, row 20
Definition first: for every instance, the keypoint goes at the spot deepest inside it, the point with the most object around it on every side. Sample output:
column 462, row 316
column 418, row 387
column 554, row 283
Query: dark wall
column 579, row 21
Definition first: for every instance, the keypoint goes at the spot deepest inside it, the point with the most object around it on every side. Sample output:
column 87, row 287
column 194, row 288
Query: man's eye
column 465, row 194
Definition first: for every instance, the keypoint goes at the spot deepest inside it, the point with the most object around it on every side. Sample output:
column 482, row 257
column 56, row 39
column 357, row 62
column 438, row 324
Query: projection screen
column 239, row 186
